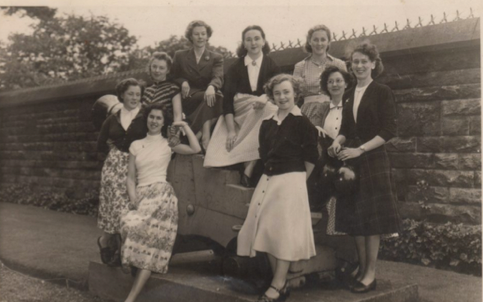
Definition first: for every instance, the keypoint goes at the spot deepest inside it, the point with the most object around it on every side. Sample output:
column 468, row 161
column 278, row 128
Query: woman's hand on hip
column 185, row 89
column 334, row 149
column 230, row 141
column 210, row 96
column 348, row 153
column 321, row 131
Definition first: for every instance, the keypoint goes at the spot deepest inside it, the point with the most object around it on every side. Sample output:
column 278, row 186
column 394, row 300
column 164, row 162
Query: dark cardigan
column 113, row 132
column 376, row 115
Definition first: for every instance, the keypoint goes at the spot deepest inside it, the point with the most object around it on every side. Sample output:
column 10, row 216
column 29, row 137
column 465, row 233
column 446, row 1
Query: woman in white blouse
column 148, row 231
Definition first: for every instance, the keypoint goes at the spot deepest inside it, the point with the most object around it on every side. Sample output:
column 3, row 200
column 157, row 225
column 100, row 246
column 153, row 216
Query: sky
column 283, row 20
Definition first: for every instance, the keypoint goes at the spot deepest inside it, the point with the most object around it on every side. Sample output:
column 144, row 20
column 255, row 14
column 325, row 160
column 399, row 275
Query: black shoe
column 106, row 252
column 282, row 296
column 360, row 288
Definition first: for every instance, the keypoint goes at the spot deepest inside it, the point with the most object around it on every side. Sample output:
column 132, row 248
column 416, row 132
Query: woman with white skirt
column 278, row 221
column 235, row 138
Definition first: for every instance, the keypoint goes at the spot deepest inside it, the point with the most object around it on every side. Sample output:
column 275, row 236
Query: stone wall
column 47, row 139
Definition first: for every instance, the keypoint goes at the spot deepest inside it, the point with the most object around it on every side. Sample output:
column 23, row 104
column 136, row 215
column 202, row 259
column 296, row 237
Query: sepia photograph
column 269, row 151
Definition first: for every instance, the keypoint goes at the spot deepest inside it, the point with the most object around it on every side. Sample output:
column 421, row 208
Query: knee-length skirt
column 279, row 220
column 149, row 231
column 372, row 209
column 197, row 110
column 113, row 196
column 247, row 127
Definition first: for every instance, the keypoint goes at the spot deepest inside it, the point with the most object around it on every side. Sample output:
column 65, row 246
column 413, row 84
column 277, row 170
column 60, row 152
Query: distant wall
column 47, row 139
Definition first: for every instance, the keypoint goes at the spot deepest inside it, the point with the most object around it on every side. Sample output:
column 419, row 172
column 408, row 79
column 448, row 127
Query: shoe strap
column 276, row 289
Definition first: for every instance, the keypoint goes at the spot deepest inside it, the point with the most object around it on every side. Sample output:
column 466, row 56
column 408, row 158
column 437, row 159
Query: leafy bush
column 61, row 202
column 448, row 246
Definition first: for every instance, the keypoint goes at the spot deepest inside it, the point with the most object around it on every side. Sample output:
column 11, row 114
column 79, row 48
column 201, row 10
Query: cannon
column 212, row 206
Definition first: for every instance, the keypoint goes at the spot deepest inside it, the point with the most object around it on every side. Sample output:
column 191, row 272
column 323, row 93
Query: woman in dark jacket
column 199, row 72
column 369, row 117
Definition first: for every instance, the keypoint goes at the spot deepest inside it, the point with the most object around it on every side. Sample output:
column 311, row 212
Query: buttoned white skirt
column 278, row 220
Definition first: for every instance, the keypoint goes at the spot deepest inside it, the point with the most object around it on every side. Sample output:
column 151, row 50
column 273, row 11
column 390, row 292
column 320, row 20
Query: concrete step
column 184, row 284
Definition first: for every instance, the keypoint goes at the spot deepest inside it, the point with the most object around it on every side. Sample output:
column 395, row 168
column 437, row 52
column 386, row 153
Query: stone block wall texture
column 48, row 141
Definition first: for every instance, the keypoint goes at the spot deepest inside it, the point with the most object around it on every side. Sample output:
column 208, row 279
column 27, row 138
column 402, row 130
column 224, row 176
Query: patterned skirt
column 247, row 127
column 113, row 196
column 197, row 110
column 372, row 209
column 149, row 231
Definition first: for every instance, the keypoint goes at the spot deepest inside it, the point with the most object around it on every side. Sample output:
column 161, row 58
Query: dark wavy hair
column 162, row 56
column 167, row 116
column 324, row 77
column 308, row 47
column 189, row 30
column 269, row 86
column 241, row 51
column 124, row 85
column 370, row 50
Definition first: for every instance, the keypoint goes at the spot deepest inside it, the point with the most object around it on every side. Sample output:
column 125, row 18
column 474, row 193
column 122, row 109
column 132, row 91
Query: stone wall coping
column 452, row 35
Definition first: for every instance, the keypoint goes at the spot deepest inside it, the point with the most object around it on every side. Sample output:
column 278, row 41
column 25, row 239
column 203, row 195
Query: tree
column 63, row 49
column 39, row 12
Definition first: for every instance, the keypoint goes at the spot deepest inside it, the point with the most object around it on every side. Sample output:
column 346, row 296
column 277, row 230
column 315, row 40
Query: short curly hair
column 124, row 85
column 241, row 51
column 189, row 30
column 278, row 79
column 308, row 47
column 370, row 50
column 162, row 56
column 167, row 116
column 324, row 77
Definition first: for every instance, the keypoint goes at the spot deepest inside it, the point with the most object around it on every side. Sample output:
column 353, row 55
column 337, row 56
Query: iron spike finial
column 385, row 30
column 471, row 14
column 374, row 31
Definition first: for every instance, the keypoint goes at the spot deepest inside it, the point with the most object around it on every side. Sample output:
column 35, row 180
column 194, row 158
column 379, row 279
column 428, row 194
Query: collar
column 295, row 112
column 332, row 106
column 248, row 60
column 331, row 58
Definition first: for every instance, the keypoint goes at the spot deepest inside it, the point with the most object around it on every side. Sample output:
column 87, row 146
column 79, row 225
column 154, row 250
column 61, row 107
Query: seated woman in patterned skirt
column 149, row 229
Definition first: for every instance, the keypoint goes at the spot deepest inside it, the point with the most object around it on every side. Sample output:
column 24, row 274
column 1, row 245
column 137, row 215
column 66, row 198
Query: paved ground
column 58, row 247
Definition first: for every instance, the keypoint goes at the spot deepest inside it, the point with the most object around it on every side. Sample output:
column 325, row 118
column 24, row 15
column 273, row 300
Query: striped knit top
column 161, row 92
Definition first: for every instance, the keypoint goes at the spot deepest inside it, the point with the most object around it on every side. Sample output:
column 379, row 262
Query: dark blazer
column 376, row 114
column 237, row 80
column 209, row 71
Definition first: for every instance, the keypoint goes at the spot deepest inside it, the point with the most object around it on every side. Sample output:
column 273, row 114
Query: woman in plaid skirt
column 369, row 116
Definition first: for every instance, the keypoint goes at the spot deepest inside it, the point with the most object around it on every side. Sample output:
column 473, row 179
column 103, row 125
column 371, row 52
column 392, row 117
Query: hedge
column 62, row 202
column 450, row 246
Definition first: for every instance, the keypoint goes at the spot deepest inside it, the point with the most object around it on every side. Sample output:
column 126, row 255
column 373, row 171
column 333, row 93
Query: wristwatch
column 363, row 148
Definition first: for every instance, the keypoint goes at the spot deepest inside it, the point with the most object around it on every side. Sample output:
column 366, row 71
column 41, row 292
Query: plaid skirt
column 372, row 209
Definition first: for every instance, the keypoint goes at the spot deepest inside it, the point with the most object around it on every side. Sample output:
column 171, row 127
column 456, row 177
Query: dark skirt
column 197, row 110
column 372, row 209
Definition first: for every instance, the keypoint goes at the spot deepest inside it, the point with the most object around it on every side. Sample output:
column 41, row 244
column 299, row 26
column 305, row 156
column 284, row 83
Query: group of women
column 254, row 112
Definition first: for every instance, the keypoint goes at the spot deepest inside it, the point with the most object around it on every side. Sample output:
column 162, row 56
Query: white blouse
column 253, row 67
